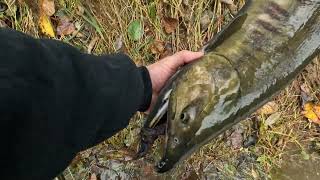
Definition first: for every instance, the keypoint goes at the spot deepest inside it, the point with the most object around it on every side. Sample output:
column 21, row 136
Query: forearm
column 63, row 101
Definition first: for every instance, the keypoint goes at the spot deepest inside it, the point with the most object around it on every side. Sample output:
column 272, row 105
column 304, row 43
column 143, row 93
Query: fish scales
column 246, row 64
column 259, row 52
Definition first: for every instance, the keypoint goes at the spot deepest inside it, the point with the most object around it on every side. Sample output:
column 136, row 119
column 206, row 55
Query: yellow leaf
column 46, row 25
column 312, row 112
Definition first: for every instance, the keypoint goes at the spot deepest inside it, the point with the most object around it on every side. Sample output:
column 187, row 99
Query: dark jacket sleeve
column 56, row 101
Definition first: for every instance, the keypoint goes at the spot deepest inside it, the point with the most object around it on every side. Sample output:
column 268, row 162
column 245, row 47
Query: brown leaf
column 236, row 140
column 93, row 177
column 80, row 10
column 65, row 26
column 269, row 108
column 305, row 88
column 47, row 6
column 169, row 24
column 157, row 47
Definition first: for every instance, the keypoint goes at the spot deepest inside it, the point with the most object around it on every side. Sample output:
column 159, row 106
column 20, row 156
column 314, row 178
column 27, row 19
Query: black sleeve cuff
column 145, row 103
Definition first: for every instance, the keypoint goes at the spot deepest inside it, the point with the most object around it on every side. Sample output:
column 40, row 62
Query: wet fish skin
column 276, row 41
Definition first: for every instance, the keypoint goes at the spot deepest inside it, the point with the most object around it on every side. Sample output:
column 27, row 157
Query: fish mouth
column 164, row 165
column 170, row 160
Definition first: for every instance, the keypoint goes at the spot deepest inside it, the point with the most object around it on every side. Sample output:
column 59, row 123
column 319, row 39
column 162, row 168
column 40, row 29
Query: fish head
column 203, row 87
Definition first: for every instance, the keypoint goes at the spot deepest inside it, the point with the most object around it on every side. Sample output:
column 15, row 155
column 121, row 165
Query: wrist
column 147, row 89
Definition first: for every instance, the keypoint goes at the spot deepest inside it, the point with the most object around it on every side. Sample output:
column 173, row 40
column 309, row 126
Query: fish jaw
column 166, row 164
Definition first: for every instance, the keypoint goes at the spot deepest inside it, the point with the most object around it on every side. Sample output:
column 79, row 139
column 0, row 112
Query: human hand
column 161, row 71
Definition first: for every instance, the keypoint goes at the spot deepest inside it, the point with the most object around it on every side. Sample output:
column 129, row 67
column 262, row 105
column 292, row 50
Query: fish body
column 276, row 39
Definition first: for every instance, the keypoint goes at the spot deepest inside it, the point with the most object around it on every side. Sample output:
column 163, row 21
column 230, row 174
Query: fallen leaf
column 236, row 140
column 45, row 25
column 273, row 118
column 157, row 47
column 305, row 155
column 47, row 6
column 80, row 10
column 135, row 30
column 231, row 6
column 118, row 44
column 93, row 177
column 65, row 26
column 92, row 43
column 169, row 24
column 305, row 88
column 312, row 112
column 206, row 19
column 269, row 108
column 227, row 1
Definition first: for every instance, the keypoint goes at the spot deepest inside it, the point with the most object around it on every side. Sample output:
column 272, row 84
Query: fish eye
column 184, row 117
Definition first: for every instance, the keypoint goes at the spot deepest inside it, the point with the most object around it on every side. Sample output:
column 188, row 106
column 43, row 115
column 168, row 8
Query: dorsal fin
column 227, row 31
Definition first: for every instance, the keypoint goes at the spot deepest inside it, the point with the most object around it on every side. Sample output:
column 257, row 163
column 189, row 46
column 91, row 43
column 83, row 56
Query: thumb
column 182, row 57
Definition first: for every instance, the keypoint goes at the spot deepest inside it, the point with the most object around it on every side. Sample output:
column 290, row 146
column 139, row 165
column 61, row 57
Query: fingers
column 182, row 57
column 187, row 56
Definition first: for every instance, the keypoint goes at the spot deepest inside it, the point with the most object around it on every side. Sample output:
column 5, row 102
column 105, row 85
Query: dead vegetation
column 148, row 30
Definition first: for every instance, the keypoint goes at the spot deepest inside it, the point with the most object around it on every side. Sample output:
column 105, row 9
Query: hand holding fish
column 162, row 70
column 246, row 64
